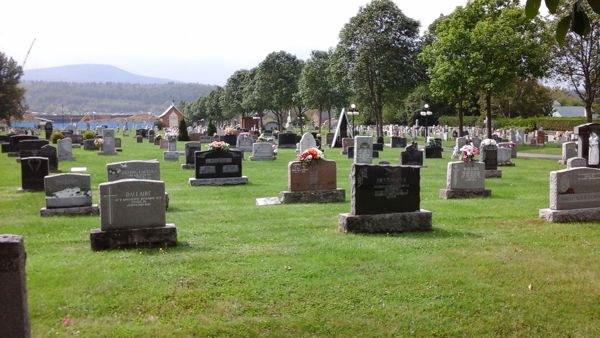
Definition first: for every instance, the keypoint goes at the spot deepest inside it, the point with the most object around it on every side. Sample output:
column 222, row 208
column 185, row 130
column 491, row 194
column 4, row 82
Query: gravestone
column 171, row 154
column 190, row 159
column 377, row 146
column 164, row 143
column 587, row 143
column 347, row 142
column 363, row 150
column 217, row 167
column 540, row 137
column 262, row 151
column 244, row 142
column 385, row 198
column 329, row 138
column 51, row 154
column 108, row 146
column 65, row 150
column 89, row 144
column 142, row 132
column 31, row 148
column 504, row 156
column 76, row 139
column 476, row 141
column 511, row 146
column 398, row 142
column 68, row 194
column 151, row 136
column 132, row 214
column 14, row 141
column 287, row 140
column 136, row 169
column 489, row 156
column 574, row 196
column 576, row 162
column 230, row 139
column 412, row 155
column 118, row 144
column 314, row 183
column 465, row 180
column 158, row 141
column 434, row 149
column 33, row 171
column 569, row 150
column 350, row 152
column 307, row 141
column 139, row 138
column 14, row 312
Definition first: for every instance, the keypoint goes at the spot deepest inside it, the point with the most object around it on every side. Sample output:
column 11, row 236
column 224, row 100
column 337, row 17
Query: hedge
column 531, row 123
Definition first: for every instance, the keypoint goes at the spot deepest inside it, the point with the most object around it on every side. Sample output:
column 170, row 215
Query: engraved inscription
column 207, row 169
column 218, row 160
column 231, row 168
column 391, row 187
column 9, row 264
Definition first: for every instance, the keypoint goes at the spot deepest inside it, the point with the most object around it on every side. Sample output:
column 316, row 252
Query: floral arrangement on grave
column 310, row 155
column 468, row 153
column 219, row 146
column 488, row 142
column 230, row 131
column 98, row 142
column 172, row 134
column 261, row 138
column 431, row 143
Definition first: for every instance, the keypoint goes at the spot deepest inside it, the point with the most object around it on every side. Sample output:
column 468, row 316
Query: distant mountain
column 88, row 73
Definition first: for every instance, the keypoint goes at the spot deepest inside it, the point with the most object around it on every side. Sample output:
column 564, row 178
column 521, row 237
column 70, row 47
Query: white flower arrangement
column 488, row 142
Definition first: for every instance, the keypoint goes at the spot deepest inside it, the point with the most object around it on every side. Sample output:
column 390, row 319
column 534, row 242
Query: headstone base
column 256, row 158
column 171, row 156
column 66, row 158
column 572, row 215
column 263, row 201
column 493, row 173
column 464, row 193
column 507, row 164
column 385, row 223
column 188, row 166
column 218, row 181
column 89, row 210
column 292, row 146
column 104, row 153
column 313, row 196
column 146, row 237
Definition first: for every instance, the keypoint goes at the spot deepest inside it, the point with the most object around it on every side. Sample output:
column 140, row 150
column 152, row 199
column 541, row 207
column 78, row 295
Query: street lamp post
column 426, row 113
column 353, row 113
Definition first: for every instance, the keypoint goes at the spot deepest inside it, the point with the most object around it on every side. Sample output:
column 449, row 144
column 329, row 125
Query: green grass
column 242, row 270
column 548, row 148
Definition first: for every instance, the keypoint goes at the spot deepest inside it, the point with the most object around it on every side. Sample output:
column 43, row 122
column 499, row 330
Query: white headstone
column 363, row 149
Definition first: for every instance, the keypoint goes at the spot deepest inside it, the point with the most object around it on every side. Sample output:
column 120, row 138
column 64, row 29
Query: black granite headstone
column 33, row 171
column 350, row 152
column 378, row 146
column 231, row 139
column 433, row 152
column 287, row 139
column 398, row 142
column 51, row 154
column 218, row 164
column 583, row 141
column 15, row 139
column 491, row 159
column 190, row 149
column 412, row 155
column 31, row 148
column 380, row 189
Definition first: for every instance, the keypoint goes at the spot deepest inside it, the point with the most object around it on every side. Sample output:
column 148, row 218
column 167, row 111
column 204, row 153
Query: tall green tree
column 574, row 15
column 315, row 87
column 251, row 101
column 233, row 95
column 578, row 63
column 377, row 50
column 11, row 93
column 214, row 105
column 484, row 48
column 276, row 82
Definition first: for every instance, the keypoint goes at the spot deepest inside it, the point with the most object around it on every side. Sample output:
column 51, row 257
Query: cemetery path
column 543, row 156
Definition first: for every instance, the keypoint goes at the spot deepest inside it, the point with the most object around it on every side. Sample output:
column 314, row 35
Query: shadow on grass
column 436, row 233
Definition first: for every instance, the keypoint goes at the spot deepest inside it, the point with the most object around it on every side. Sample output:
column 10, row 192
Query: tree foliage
column 11, row 93
column 183, row 133
column 484, row 48
column 276, row 82
column 377, row 51
column 578, row 63
column 574, row 15
column 233, row 96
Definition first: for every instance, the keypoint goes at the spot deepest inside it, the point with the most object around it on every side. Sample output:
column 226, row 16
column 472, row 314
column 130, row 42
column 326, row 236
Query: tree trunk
column 588, row 109
column 320, row 120
column 488, row 104
column 329, row 119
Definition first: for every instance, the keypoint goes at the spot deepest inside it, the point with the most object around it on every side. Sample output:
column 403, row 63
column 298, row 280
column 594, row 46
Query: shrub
column 88, row 135
column 183, row 134
column 531, row 123
column 211, row 129
column 56, row 135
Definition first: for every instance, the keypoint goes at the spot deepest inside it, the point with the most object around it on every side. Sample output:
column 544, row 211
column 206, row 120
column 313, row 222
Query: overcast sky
column 202, row 41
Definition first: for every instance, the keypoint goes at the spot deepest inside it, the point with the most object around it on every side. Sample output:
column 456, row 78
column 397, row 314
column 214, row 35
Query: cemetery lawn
column 490, row 267
column 548, row 148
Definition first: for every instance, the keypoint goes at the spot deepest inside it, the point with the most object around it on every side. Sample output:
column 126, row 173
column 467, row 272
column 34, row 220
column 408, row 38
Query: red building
column 171, row 117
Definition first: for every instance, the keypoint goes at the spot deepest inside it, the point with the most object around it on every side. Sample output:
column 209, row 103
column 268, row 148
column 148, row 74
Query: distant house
column 568, row 111
column 171, row 117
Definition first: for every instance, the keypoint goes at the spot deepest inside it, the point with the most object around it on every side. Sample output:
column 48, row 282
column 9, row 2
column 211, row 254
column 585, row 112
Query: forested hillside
column 109, row 97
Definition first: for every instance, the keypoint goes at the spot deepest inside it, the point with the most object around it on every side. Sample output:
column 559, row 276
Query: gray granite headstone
column 132, row 204
column 108, row 136
column 504, row 155
column 262, row 151
column 244, row 142
column 569, row 150
column 68, row 190
column 190, row 149
column 307, row 141
column 461, row 175
column 576, row 162
column 65, row 149
column 172, row 145
column 363, row 150
column 145, row 170
column 576, row 188
column 14, row 312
